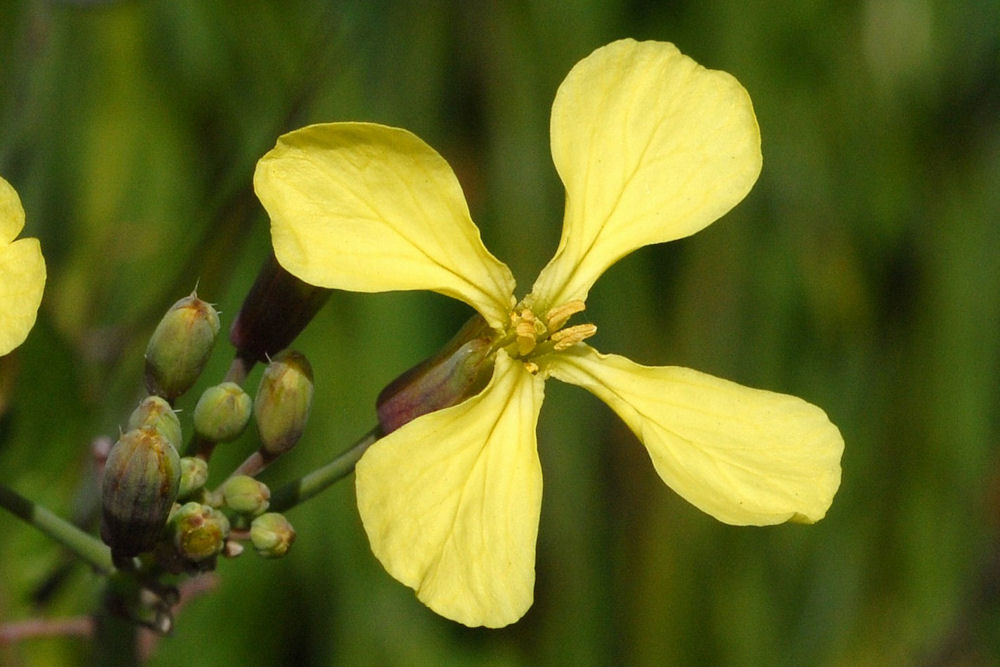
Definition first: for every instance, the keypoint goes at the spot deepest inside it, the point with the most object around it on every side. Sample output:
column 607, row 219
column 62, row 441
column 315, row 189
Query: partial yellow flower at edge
column 651, row 147
column 22, row 273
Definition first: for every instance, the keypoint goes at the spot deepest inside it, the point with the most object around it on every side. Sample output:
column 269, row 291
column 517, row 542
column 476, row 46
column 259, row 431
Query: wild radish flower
column 22, row 273
column 651, row 147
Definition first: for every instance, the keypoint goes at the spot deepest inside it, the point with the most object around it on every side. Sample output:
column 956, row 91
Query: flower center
column 534, row 336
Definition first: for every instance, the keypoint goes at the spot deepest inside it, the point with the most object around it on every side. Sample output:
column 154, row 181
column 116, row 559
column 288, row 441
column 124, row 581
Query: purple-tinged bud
column 458, row 371
column 271, row 534
column 281, row 407
column 275, row 311
column 141, row 480
column 180, row 347
column 222, row 412
column 154, row 412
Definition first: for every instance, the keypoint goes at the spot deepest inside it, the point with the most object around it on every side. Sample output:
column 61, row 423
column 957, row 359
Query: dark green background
column 861, row 273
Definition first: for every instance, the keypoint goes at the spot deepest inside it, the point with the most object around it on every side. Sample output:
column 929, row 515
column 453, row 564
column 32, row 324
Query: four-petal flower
column 651, row 147
column 22, row 273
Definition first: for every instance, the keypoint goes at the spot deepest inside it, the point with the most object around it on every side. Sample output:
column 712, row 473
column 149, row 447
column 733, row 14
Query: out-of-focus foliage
column 862, row 273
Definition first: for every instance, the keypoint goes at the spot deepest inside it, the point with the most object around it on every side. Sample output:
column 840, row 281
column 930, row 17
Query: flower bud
column 194, row 475
column 141, row 480
column 458, row 371
column 198, row 531
column 245, row 495
column 154, row 412
column 222, row 412
column 272, row 535
column 180, row 346
column 284, row 397
column 276, row 310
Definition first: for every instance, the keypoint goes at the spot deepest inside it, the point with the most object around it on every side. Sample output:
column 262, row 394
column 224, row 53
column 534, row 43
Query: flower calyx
column 461, row 369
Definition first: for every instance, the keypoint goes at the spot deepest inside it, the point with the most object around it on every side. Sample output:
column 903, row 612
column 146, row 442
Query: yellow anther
column 531, row 367
column 566, row 338
column 524, row 329
column 559, row 315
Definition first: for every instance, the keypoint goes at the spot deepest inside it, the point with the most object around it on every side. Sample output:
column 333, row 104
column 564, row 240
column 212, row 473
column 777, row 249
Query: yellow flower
column 22, row 273
column 651, row 147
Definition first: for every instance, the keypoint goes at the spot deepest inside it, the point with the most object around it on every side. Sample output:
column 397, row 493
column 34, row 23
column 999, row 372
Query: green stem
column 84, row 545
column 309, row 485
column 239, row 369
column 252, row 466
column 116, row 632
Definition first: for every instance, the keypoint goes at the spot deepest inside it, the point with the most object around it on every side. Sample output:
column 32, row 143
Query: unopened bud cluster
column 157, row 502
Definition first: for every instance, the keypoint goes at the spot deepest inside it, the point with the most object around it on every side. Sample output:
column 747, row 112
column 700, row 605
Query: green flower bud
column 194, row 475
column 459, row 370
column 245, row 495
column 222, row 412
column 283, row 401
column 272, row 535
column 154, row 412
column 198, row 531
column 180, row 346
column 141, row 480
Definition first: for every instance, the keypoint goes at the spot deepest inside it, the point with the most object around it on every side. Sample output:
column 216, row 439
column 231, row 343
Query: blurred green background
column 862, row 273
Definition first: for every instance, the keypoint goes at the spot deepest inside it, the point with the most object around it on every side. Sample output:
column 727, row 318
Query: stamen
column 559, row 315
column 531, row 367
column 524, row 329
column 567, row 338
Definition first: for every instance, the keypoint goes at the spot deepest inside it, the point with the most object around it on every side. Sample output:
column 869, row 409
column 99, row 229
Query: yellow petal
column 22, row 273
column 745, row 456
column 11, row 213
column 651, row 147
column 369, row 208
column 22, row 279
column 451, row 500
